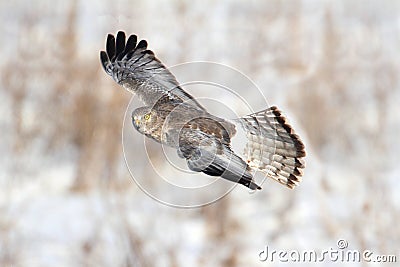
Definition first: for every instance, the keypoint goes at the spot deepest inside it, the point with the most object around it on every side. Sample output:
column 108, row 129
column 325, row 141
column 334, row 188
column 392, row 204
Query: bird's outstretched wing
column 137, row 69
column 273, row 147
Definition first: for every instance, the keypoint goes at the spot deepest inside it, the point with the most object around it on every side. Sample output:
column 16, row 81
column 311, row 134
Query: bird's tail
column 272, row 146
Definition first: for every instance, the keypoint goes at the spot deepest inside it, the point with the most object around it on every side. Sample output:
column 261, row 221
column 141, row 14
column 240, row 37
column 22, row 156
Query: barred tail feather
column 272, row 146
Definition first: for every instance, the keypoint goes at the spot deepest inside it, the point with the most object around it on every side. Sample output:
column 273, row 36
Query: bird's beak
column 136, row 120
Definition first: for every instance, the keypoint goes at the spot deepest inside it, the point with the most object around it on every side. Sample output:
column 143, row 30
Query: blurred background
column 66, row 197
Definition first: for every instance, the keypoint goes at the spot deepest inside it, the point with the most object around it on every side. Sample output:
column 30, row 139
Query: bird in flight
column 174, row 118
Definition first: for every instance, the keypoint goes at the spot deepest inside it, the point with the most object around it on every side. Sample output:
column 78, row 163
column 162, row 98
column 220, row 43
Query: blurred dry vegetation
column 73, row 105
column 342, row 92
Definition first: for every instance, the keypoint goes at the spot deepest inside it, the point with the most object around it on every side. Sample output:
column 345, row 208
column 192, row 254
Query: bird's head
column 143, row 120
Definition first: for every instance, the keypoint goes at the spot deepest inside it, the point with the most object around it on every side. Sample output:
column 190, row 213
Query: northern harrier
column 174, row 118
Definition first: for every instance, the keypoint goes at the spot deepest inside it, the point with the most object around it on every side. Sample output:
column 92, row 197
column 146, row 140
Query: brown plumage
column 173, row 117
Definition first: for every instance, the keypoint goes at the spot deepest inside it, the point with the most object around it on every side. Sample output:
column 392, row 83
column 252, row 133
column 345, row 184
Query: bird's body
column 174, row 118
column 199, row 137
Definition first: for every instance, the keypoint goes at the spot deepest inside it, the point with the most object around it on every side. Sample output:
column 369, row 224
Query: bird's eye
column 147, row 117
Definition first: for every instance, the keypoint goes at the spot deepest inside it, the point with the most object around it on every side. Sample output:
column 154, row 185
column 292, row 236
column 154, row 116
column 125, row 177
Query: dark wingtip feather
column 130, row 44
column 120, row 43
column 110, row 46
column 118, row 47
column 104, row 59
column 142, row 45
column 148, row 52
